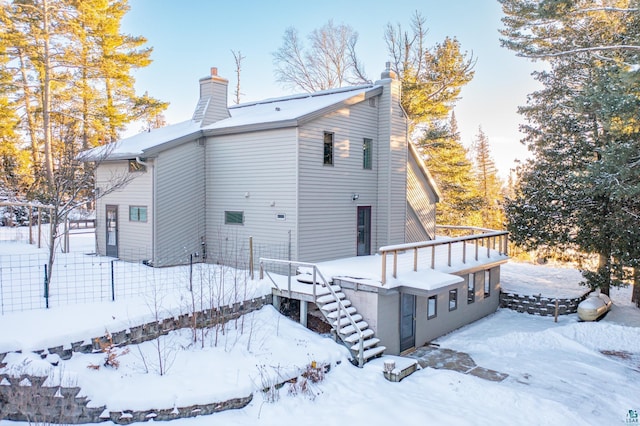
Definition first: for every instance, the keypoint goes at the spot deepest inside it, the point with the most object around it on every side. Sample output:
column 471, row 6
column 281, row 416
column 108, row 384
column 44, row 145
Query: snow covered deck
column 423, row 266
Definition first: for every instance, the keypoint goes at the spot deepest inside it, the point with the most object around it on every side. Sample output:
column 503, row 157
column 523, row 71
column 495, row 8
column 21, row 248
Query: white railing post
column 395, row 264
column 383, row 279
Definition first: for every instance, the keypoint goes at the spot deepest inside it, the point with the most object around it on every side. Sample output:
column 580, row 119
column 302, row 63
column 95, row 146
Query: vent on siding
column 372, row 102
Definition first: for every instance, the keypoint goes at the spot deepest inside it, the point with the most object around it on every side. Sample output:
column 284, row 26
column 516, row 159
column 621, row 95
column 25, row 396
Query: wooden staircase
column 347, row 324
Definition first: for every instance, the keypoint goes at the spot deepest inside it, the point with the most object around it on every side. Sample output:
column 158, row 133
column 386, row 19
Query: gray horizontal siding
column 328, row 215
column 180, row 197
column 415, row 231
column 421, row 200
column 135, row 239
column 255, row 173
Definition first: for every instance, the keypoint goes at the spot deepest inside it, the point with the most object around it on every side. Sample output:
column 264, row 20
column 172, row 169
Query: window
column 432, row 307
column 453, row 299
column 135, row 166
column 328, row 149
column 233, row 218
column 487, row 284
column 471, row 285
column 138, row 213
column 366, row 154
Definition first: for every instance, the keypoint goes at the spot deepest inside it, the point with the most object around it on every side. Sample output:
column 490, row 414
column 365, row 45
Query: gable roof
column 289, row 111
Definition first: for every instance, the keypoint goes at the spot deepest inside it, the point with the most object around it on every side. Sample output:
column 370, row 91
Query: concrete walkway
column 448, row 359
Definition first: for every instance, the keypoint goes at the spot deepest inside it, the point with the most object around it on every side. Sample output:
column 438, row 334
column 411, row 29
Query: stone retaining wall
column 25, row 398
column 540, row 305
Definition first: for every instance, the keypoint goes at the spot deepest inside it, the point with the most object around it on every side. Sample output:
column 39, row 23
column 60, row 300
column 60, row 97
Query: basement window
column 432, row 307
column 453, row 299
column 233, row 218
column 471, row 286
column 487, row 284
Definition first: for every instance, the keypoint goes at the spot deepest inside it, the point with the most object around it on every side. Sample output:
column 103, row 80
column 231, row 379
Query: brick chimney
column 212, row 105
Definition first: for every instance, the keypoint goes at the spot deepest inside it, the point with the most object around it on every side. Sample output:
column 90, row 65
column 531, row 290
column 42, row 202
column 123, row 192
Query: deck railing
column 486, row 238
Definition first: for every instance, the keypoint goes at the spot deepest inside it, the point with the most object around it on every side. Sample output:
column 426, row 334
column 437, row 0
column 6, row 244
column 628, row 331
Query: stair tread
column 333, row 315
column 373, row 352
column 355, row 337
column 350, row 329
column 330, row 298
column 323, row 291
column 345, row 320
column 368, row 343
column 333, row 306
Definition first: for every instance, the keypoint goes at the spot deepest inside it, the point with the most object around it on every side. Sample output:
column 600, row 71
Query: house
column 326, row 176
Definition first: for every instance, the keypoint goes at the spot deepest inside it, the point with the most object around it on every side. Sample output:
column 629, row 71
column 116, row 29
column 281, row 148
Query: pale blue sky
column 191, row 36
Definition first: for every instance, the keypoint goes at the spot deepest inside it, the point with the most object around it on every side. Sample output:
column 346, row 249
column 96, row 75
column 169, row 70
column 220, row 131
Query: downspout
column 152, row 169
column 142, row 163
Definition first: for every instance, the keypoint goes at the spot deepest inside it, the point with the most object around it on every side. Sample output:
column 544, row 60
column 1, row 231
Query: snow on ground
column 527, row 279
column 559, row 373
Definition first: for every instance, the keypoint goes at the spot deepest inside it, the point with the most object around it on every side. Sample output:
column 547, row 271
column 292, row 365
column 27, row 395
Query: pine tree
column 489, row 184
column 12, row 161
column 431, row 77
column 579, row 191
column 447, row 160
column 72, row 74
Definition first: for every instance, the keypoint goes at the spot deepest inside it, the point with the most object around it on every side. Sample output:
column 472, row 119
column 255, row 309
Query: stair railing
column 316, row 273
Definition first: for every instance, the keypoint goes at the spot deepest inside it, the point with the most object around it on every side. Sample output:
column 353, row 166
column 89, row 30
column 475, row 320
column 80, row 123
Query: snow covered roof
column 292, row 110
column 272, row 113
column 137, row 145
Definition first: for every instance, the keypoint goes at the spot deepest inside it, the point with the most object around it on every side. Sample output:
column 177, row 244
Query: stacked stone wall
column 540, row 305
column 30, row 399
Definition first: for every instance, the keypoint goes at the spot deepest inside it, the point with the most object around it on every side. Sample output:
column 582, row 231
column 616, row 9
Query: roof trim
column 154, row 150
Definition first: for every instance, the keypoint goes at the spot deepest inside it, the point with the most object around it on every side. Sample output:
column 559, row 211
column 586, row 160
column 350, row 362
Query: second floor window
column 328, row 149
column 366, row 153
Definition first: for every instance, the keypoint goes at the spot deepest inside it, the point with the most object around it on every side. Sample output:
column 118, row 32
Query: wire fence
column 85, row 278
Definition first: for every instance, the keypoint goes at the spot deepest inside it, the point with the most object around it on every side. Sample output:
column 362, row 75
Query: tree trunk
column 46, row 96
column 635, row 295
column 603, row 271
column 31, row 121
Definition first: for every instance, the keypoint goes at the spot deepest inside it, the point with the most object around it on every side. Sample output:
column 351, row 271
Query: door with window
column 364, row 230
column 407, row 321
column 112, row 231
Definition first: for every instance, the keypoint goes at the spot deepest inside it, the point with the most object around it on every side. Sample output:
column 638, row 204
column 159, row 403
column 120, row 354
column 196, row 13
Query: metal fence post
column 191, row 273
column 113, row 283
column 251, row 257
column 46, row 288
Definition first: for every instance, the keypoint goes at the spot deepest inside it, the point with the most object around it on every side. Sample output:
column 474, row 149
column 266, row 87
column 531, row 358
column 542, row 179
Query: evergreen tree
column 12, row 161
column 448, row 161
column 431, row 77
column 71, row 68
column 489, row 184
column 73, row 76
column 579, row 190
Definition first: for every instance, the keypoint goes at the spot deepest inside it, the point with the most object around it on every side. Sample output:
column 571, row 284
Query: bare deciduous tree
column 237, row 57
column 329, row 61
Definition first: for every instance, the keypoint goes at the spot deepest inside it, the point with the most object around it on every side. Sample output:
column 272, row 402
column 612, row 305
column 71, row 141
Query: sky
column 188, row 38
